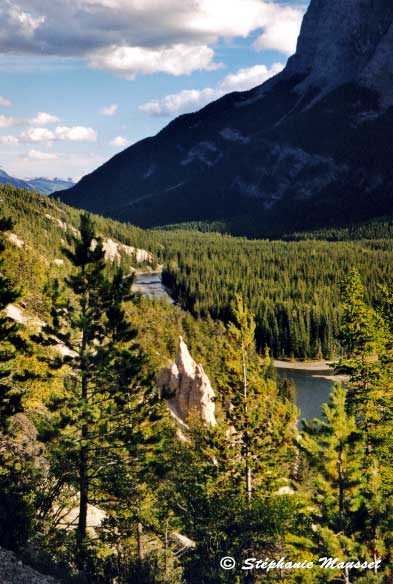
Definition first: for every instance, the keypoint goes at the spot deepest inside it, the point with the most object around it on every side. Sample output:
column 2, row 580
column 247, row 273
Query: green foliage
column 10, row 342
column 349, row 453
column 293, row 288
column 335, row 455
column 107, row 386
column 16, row 494
column 378, row 229
column 260, row 423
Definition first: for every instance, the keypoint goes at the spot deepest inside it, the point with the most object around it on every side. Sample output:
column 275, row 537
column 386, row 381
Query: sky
column 80, row 80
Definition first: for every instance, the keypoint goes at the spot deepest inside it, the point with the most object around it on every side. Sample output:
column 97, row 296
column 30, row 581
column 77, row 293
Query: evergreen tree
column 261, row 423
column 106, row 384
column 368, row 334
column 336, row 461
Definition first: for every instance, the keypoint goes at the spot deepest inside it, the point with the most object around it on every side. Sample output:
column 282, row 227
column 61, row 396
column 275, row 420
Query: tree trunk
column 346, row 576
column 83, row 488
column 249, row 483
column 139, row 535
column 247, row 454
column 341, row 491
column 166, row 550
column 84, row 452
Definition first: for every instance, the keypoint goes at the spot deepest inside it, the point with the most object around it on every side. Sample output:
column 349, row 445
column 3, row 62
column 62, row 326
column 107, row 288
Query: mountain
column 6, row 179
column 310, row 148
column 47, row 186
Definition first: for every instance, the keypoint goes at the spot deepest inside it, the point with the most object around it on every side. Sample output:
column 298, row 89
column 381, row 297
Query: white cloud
column 38, row 155
column 176, row 60
column 5, row 102
column 75, row 134
column 144, row 36
column 7, row 122
column 192, row 99
column 119, row 141
column 249, row 77
column 110, row 110
column 281, row 32
column 11, row 140
column 184, row 101
column 37, row 135
column 62, row 133
column 43, row 119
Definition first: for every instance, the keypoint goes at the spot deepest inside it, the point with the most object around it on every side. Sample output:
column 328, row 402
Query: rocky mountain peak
column 343, row 41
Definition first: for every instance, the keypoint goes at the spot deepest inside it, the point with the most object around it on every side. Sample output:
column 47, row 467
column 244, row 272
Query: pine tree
column 368, row 333
column 336, row 460
column 106, row 379
column 261, row 423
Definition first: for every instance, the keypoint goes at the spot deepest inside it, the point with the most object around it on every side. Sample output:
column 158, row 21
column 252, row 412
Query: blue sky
column 83, row 79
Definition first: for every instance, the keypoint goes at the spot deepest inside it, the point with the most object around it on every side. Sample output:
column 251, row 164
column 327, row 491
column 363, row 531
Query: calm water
column 151, row 286
column 313, row 389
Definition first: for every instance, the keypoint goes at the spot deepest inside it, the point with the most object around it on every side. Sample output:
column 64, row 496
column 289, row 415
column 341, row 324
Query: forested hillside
column 292, row 287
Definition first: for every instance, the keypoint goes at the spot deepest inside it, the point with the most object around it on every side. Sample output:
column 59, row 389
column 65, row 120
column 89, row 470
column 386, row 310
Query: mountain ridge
column 290, row 154
column 43, row 185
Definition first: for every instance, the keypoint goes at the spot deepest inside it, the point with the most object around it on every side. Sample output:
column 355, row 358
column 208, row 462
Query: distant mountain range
column 310, row 148
column 46, row 186
column 7, row 179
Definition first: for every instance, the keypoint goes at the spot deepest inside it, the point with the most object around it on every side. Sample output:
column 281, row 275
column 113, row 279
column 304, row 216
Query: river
column 151, row 286
column 314, row 381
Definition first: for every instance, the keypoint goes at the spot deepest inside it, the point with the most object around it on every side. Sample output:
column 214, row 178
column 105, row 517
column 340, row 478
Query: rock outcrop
column 14, row 571
column 343, row 41
column 187, row 388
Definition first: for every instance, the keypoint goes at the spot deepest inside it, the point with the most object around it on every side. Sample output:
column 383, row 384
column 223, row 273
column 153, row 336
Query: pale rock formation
column 63, row 225
column 111, row 249
column 15, row 240
column 114, row 249
column 187, row 388
column 69, row 517
column 141, row 255
column 20, row 316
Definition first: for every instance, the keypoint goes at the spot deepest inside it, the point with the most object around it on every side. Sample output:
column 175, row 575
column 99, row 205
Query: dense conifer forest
column 84, row 426
column 292, row 287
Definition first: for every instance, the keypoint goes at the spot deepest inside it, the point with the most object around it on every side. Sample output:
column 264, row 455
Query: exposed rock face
column 343, row 41
column 68, row 519
column 14, row 571
column 289, row 155
column 188, row 388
